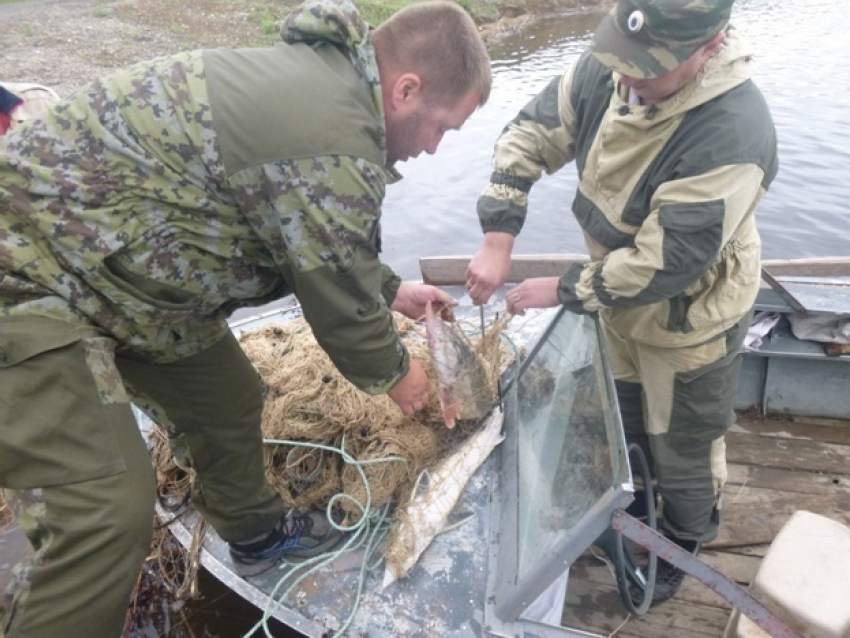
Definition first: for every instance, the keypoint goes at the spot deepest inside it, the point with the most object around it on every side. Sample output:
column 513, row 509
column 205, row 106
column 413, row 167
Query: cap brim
column 628, row 56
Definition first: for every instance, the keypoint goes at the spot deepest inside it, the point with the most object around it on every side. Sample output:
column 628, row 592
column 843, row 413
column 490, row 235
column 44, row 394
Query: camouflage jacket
column 666, row 195
column 155, row 202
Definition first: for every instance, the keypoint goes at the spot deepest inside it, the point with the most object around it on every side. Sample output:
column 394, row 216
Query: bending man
column 137, row 215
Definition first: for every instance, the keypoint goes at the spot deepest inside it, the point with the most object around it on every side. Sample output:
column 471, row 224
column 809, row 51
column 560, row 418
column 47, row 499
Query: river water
column 802, row 59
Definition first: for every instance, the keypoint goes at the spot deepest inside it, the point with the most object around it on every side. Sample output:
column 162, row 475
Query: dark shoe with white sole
column 300, row 533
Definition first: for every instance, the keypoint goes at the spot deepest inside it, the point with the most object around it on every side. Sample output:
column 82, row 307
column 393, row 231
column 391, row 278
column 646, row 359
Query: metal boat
column 560, row 481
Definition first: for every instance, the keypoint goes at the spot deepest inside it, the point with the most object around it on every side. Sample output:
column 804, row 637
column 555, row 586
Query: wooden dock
column 776, row 467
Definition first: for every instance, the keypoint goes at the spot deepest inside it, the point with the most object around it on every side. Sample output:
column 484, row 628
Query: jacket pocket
column 24, row 337
column 148, row 291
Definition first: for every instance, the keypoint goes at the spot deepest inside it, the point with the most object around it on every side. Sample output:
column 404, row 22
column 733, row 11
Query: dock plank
column 594, row 607
column 754, row 516
column 780, row 452
column 821, row 430
column 742, row 569
column 786, row 480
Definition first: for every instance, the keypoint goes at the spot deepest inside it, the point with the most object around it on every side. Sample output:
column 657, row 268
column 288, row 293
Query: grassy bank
column 66, row 44
column 254, row 22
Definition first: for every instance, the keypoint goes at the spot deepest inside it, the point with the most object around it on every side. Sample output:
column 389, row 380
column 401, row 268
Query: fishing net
column 307, row 400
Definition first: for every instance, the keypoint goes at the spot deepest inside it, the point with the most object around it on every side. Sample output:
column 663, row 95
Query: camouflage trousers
column 677, row 404
column 77, row 473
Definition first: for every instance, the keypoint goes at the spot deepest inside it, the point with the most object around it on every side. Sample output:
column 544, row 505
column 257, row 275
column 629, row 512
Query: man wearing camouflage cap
column 674, row 147
column 136, row 216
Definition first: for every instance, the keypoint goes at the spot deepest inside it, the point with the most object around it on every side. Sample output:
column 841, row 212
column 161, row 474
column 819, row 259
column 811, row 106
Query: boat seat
column 803, row 579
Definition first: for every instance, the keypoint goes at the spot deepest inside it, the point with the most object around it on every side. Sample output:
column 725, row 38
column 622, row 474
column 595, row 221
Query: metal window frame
column 508, row 592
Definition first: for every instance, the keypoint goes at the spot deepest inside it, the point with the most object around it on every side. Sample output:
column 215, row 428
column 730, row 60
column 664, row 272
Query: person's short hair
column 438, row 41
column 647, row 38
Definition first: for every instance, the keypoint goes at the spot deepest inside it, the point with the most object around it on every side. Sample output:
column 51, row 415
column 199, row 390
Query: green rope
column 369, row 531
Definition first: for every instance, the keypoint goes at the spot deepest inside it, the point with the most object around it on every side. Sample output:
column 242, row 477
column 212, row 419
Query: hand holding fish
column 412, row 298
column 464, row 390
column 540, row 292
column 411, row 393
column 489, row 267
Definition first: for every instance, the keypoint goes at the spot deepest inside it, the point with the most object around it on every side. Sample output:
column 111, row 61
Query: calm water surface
column 802, row 62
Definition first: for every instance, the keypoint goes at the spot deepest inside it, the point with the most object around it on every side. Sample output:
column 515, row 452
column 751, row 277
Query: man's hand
column 411, row 393
column 540, row 292
column 411, row 298
column 490, row 266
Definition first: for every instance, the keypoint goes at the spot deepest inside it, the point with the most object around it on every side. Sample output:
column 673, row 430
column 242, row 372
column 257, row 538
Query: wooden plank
column 754, row 516
column 821, row 430
column 593, row 607
column 786, row 480
column 451, row 270
column 739, row 568
column 799, row 454
column 756, row 551
column 815, row 267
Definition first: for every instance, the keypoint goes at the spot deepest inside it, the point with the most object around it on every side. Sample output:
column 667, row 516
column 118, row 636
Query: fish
column 465, row 392
column 434, row 496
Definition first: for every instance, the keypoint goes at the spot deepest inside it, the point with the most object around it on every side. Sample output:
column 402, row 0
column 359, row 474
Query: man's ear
column 406, row 91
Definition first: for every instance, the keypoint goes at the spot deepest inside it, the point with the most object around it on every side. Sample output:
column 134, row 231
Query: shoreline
column 64, row 44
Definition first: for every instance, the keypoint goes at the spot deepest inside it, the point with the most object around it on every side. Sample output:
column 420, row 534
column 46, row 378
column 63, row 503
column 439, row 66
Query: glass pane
column 566, row 463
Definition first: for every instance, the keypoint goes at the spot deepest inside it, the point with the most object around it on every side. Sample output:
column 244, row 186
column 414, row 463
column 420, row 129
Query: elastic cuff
column 385, row 385
column 567, row 289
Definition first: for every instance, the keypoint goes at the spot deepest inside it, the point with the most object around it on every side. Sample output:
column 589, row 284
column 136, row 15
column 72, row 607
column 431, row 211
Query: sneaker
column 668, row 577
column 299, row 533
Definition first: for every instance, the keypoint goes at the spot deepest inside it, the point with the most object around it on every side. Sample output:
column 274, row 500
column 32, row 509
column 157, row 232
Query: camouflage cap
column 647, row 38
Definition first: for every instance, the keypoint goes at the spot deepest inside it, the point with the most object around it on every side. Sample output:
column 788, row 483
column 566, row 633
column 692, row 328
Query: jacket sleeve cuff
column 500, row 215
column 567, row 285
column 385, row 385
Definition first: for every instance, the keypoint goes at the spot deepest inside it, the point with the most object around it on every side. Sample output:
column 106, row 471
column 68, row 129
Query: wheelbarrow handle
column 740, row 598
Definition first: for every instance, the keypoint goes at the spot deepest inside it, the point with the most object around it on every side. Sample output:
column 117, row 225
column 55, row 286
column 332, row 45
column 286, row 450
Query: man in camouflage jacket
column 674, row 147
column 137, row 215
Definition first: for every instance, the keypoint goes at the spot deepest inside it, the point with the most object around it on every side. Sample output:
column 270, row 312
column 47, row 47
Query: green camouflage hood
column 647, row 38
column 335, row 21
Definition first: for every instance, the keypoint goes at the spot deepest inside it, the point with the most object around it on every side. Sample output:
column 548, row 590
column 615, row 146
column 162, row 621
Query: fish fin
column 422, row 484
column 389, row 578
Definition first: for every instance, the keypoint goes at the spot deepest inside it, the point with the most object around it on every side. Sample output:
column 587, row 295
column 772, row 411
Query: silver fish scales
column 465, row 390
